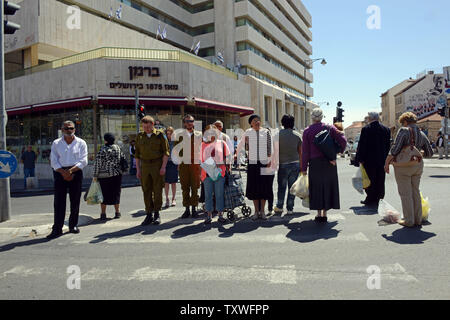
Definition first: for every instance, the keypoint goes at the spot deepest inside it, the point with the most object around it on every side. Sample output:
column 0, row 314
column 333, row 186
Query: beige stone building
column 389, row 113
column 354, row 130
column 83, row 60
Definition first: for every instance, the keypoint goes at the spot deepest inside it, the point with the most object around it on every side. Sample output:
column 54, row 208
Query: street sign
column 8, row 164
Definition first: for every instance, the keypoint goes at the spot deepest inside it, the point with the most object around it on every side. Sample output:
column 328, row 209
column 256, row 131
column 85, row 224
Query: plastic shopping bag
column 365, row 177
column 425, row 208
column 305, row 202
column 357, row 181
column 388, row 212
column 95, row 195
column 300, row 188
column 211, row 169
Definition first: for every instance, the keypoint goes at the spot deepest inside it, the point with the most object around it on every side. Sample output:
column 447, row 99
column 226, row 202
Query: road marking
column 22, row 271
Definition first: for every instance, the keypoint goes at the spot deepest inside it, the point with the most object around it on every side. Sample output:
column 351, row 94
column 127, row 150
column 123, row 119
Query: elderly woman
column 259, row 179
column 323, row 177
column 108, row 171
column 408, row 177
column 214, row 186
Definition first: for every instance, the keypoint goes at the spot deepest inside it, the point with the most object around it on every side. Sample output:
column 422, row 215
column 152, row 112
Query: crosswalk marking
column 275, row 274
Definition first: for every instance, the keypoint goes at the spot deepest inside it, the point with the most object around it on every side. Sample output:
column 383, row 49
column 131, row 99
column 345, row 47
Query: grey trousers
column 408, row 182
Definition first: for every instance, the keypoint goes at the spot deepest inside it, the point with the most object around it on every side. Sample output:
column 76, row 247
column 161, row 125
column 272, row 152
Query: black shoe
column 186, row 213
column 317, row 219
column 323, row 219
column 54, row 235
column 156, row 219
column 221, row 219
column 363, row 202
column 103, row 216
column 117, row 216
column 148, row 220
column 194, row 212
column 74, row 230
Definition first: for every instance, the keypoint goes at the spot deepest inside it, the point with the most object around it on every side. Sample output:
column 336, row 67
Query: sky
column 363, row 63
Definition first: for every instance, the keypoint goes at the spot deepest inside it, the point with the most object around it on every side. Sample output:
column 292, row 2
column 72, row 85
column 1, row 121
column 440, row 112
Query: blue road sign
column 8, row 164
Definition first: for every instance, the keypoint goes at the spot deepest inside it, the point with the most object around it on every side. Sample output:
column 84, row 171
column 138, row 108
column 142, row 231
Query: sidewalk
column 46, row 186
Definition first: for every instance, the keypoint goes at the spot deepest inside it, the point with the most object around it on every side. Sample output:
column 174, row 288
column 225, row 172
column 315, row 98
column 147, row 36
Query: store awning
column 18, row 110
column 147, row 101
column 242, row 110
column 60, row 104
column 69, row 103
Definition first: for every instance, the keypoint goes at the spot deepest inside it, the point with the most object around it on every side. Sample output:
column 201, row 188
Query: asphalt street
column 281, row 258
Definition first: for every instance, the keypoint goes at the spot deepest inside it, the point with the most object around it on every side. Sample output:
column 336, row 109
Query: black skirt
column 259, row 187
column 323, row 185
column 111, row 189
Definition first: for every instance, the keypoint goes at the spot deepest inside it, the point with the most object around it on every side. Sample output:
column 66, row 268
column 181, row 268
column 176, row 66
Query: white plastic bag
column 300, row 188
column 95, row 195
column 305, row 202
column 388, row 212
column 211, row 169
column 357, row 181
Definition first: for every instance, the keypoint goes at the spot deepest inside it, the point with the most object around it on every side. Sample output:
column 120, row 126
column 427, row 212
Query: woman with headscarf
column 108, row 172
column 258, row 142
column 323, row 177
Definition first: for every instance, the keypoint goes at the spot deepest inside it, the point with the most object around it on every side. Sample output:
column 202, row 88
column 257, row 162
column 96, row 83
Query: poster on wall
column 447, row 80
column 427, row 96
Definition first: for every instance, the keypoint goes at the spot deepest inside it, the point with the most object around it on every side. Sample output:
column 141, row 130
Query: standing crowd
column 204, row 160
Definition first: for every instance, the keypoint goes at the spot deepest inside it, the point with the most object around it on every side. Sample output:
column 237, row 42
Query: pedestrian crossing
column 274, row 275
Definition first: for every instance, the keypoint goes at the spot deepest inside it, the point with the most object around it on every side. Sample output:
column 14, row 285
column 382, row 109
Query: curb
column 43, row 229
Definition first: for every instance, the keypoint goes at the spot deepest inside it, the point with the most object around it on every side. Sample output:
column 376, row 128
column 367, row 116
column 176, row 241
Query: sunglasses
column 189, row 121
column 69, row 128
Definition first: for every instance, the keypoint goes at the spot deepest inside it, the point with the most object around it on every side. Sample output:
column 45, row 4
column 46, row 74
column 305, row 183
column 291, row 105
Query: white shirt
column 228, row 141
column 68, row 155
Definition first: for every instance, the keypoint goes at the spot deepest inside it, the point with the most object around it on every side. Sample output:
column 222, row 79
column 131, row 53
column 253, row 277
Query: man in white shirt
column 68, row 158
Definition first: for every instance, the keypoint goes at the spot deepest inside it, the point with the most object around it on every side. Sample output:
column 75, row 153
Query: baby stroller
column 235, row 197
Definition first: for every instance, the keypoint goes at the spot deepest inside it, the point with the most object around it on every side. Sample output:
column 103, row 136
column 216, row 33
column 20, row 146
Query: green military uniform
column 150, row 151
column 190, row 172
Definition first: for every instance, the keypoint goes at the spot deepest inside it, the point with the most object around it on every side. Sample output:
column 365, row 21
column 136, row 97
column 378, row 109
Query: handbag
column 123, row 164
column 326, row 144
column 409, row 155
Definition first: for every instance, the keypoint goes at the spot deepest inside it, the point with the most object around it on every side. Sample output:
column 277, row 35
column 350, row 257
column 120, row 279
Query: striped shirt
column 403, row 139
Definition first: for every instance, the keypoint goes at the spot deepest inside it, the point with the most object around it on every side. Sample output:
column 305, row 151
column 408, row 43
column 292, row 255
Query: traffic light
column 340, row 115
column 10, row 9
column 441, row 111
column 141, row 112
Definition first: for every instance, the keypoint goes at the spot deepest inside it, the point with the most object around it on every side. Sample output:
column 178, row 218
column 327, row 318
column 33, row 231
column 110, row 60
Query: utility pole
column 137, row 110
column 446, row 130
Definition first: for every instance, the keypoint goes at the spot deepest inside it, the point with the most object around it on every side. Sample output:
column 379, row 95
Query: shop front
column 100, row 97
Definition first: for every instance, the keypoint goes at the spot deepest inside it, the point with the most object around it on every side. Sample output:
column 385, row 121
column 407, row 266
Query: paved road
column 282, row 258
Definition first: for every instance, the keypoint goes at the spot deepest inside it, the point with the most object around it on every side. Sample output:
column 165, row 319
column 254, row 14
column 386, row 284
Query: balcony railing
column 125, row 53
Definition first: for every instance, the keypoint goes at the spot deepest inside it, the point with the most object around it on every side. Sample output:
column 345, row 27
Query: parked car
column 353, row 150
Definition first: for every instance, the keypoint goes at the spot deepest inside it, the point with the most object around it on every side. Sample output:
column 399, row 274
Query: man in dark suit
column 373, row 148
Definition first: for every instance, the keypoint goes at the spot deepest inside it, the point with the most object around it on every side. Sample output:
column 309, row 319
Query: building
column 389, row 114
column 423, row 96
column 431, row 126
column 354, row 130
column 85, row 62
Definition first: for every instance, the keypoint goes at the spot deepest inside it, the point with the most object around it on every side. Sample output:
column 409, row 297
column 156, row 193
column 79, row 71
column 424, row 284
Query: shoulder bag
column 410, row 155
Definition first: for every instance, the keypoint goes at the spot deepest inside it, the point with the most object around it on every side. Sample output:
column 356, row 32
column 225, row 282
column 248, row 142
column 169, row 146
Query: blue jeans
column 214, row 188
column 27, row 173
column 287, row 175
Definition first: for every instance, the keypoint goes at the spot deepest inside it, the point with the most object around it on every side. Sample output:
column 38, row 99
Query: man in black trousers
column 68, row 158
column 373, row 148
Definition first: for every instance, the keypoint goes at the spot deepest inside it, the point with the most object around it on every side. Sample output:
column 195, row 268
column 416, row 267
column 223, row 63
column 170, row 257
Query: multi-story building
column 390, row 116
column 85, row 62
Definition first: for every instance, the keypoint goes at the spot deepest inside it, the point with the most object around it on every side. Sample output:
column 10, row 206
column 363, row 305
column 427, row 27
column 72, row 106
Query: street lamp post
column 309, row 63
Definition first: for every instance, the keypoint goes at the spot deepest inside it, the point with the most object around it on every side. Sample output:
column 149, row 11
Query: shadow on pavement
column 309, row 231
column 364, row 211
column 143, row 230
column 11, row 246
column 407, row 235
column 248, row 225
column 440, row 177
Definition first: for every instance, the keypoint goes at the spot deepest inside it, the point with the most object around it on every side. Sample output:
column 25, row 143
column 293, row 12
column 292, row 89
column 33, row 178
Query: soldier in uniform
column 152, row 153
column 189, row 168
